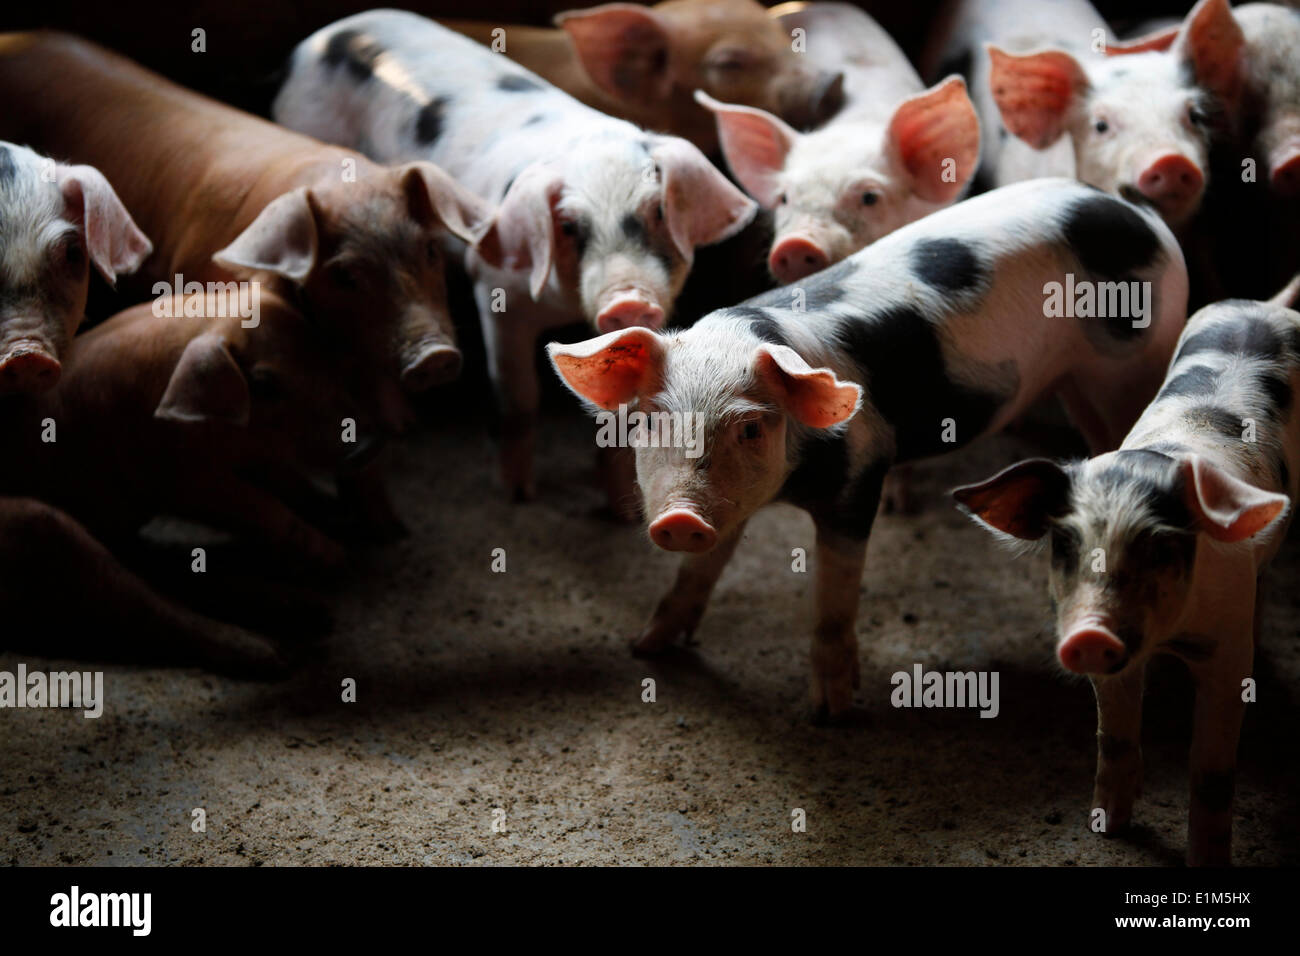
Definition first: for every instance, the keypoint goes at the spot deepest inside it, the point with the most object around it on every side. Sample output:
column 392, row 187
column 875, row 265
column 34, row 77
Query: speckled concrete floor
column 481, row 690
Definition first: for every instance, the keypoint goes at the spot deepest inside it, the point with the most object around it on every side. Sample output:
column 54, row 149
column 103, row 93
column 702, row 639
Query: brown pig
column 644, row 64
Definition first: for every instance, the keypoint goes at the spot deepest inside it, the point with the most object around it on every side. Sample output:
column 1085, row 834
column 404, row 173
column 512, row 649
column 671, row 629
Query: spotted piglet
column 597, row 219
column 1157, row 547
column 56, row 222
column 935, row 335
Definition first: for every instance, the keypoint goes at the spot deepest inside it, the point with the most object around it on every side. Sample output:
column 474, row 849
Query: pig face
column 842, row 187
column 614, row 230
column 743, row 397
column 368, row 259
column 732, row 49
column 1141, row 119
column 55, row 223
column 1125, row 529
column 278, row 382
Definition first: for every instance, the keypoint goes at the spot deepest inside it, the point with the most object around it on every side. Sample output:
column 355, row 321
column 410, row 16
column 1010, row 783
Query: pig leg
column 1119, row 746
column 835, row 667
column 679, row 611
column 45, row 555
column 510, row 340
column 1216, row 728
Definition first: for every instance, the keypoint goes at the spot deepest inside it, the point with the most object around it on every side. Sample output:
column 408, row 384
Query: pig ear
column 625, row 49
column 1158, row 42
column 522, row 233
column 612, row 369
column 282, row 239
column 113, row 240
column 701, row 206
column 755, row 144
column 206, row 386
column 936, row 136
column 1212, row 42
column 1036, row 92
column 1018, row 501
column 433, row 195
column 1227, row 508
column 1289, row 297
column 813, row 396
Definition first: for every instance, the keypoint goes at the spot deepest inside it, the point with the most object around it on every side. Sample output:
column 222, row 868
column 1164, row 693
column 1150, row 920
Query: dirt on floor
column 499, row 717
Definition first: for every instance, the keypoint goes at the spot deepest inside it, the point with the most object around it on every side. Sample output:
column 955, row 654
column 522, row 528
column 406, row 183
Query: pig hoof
column 652, row 641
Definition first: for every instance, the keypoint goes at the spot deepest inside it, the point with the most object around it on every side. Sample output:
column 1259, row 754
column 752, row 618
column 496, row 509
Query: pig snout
column 435, row 364
column 628, row 307
column 682, row 530
column 1285, row 170
column 1171, row 181
column 795, row 257
column 28, row 366
column 1091, row 649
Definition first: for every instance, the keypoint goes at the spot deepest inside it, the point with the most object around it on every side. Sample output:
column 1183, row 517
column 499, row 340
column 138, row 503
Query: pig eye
column 870, row 199
column 781, row 200
column 569, row 228
column 343, row 277
column 74, row 255
column 659, row 213
column 1197, row 116
column 750, row 431
column 1101, row 126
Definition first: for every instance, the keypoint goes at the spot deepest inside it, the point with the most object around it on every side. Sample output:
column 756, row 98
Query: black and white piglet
column 1157, row 547
column 938, row 333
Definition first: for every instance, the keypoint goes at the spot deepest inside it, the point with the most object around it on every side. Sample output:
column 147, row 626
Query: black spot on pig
column 1215, row 418
column 820, row 290
column 909, row 382
column 1278, row 390
column 1248, row 336
column 766, row 328
column 428, row 122
column 8, row 168
column 949, row 265
column 355, row 50
column 1110, row 238
column 1065, row 547
column 856, row 511
column 513, row 83
column 819, row 478
column 1158, row 480
column 1199, row 381
column 1213, row 790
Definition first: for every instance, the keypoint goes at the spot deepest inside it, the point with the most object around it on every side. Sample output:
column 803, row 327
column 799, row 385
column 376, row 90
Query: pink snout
column 796, row 257
column 1286, row 173
column 626, row 309
column 28, row 367
column 1091, row 650
column 1171, row 179
column 682, row 530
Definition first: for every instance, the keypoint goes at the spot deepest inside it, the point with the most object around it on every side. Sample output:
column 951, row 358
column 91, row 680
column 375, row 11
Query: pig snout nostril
column 29, row 371
column 1170, row 177
column 1093, row 650
column 626, row 313
column 793, row 259
column 683, row 530
column 435, row 367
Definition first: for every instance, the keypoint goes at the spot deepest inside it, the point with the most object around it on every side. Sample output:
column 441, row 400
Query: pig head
column 56, row 223
column 1142, row 117
column 842, row 187
column 613, row 230
column 365, row 258
column 650, row 60
column 727, row 453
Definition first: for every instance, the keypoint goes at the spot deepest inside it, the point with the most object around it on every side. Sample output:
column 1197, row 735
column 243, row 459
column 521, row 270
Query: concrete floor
column 479, row 690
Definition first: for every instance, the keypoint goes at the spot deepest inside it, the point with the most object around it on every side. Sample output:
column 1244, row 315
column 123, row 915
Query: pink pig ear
column 113, row 240
column 522, row 233
column 1019, row 500
column 1212, row 41
column 612, row 369
column 1227, row 508
column 755, row 144
column 207, row 385
column 1289, row 297
column 433, row 195
column 282, row 239
column 813, row 396
column 936, row 135
column 701, row 206
column 1036, row 92
column 625, row 48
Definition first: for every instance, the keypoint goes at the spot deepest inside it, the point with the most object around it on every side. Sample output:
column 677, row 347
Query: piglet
column 597, row 219
column 1272, row 57
column 1158, row 547
column 894, row 153
column 937, row 334
column 56, row 221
